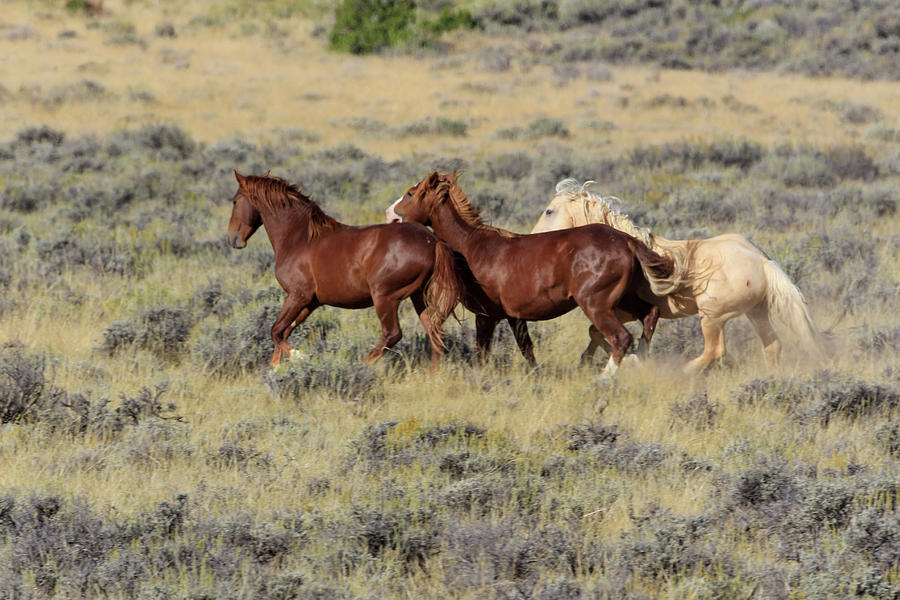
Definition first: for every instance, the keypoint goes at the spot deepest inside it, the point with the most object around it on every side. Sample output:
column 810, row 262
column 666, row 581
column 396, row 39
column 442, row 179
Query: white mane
column 598, row 209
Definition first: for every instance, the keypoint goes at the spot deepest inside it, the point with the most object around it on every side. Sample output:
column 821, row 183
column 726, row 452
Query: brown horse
column 319, row 261
column 538, row 277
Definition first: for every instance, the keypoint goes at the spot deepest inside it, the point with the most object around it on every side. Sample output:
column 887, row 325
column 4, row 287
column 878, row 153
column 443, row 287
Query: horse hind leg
column 484, row 335
column 386, row 310
column 523, row 340
column 759, row 318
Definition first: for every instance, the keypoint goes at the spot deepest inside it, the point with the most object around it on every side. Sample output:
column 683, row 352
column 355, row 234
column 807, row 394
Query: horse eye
column 549, row 211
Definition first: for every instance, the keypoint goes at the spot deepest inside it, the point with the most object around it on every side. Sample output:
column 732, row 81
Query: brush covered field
column 147, row 451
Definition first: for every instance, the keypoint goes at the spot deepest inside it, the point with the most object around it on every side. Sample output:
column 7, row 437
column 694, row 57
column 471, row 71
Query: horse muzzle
column 390, row 215
column 235, row 241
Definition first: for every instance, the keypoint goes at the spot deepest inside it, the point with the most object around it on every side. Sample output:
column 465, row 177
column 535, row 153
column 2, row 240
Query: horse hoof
column 632, row 360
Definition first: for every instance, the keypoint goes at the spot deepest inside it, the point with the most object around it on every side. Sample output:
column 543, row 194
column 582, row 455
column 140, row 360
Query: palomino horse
column 319, row 261
column 727, row 276
column 538, row 277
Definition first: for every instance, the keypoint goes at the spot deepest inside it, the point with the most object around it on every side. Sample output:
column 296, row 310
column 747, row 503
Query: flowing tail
column 442, row 292
column 665, row 274
column 787, row 307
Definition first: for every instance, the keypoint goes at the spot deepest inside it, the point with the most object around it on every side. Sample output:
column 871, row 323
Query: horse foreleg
column 759, row 317
column 293, row 312
column 484, row 334
column 523, row 340
column 386, row 309
column 713, row 344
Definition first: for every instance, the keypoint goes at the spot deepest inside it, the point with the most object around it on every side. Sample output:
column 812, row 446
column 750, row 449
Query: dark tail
column 660, row 271
column 442, row 292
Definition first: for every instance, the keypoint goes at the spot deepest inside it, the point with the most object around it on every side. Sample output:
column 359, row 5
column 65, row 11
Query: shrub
column 162, row 330
column 850, row 162
column 342, row 376
column 697, row 412
column 243, row 343
column 763, row 484
column 662, row 545
column 448, row 20
column 546, row 127
column 364, row 26
column 822, row 397
column 41, row 134
column 592, row 434
column 728, row 152
column 60, row 253
column 168, row 142
column 78, row 414
column 429, row 126
column 165, row 330
column 22, row 383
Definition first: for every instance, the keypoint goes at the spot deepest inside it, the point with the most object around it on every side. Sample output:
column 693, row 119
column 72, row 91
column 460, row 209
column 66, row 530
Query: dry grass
column 217, row 82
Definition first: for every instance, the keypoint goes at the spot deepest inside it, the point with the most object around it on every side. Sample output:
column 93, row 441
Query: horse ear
column 240, row 178
column 434, row 178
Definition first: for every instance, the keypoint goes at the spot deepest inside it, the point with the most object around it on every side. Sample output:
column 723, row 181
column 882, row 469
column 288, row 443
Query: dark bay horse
column 320, row 261
column 542, row 276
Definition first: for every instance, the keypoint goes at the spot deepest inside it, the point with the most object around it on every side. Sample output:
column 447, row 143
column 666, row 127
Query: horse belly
column 343, row 293
column 539, row 307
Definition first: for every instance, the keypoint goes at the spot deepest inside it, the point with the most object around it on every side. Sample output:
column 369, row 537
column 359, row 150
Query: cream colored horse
column 727, row 277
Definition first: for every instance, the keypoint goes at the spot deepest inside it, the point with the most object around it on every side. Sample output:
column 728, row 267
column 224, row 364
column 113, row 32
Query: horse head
column 418, row 203
column 572, row 206
column 245, row 218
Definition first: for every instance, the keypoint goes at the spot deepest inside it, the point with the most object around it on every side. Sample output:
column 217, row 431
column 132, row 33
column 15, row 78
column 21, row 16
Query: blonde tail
column 787, row 307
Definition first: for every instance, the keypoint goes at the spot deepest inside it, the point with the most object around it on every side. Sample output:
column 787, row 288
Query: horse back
column 354, row 264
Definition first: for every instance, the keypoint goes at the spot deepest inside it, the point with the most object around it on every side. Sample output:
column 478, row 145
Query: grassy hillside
column 147, row 451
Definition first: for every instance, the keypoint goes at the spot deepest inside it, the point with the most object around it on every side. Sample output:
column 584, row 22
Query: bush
column 22, row 383
column 365, row 26
column 77, row 414
column 342, row 376
column 697, row 412
column 42, row 134
column 162, row 330
column 242, row 344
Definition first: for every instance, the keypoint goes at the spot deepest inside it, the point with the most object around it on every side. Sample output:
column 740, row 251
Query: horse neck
column 288, row 228
column 626, row 225
column 453, row 229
